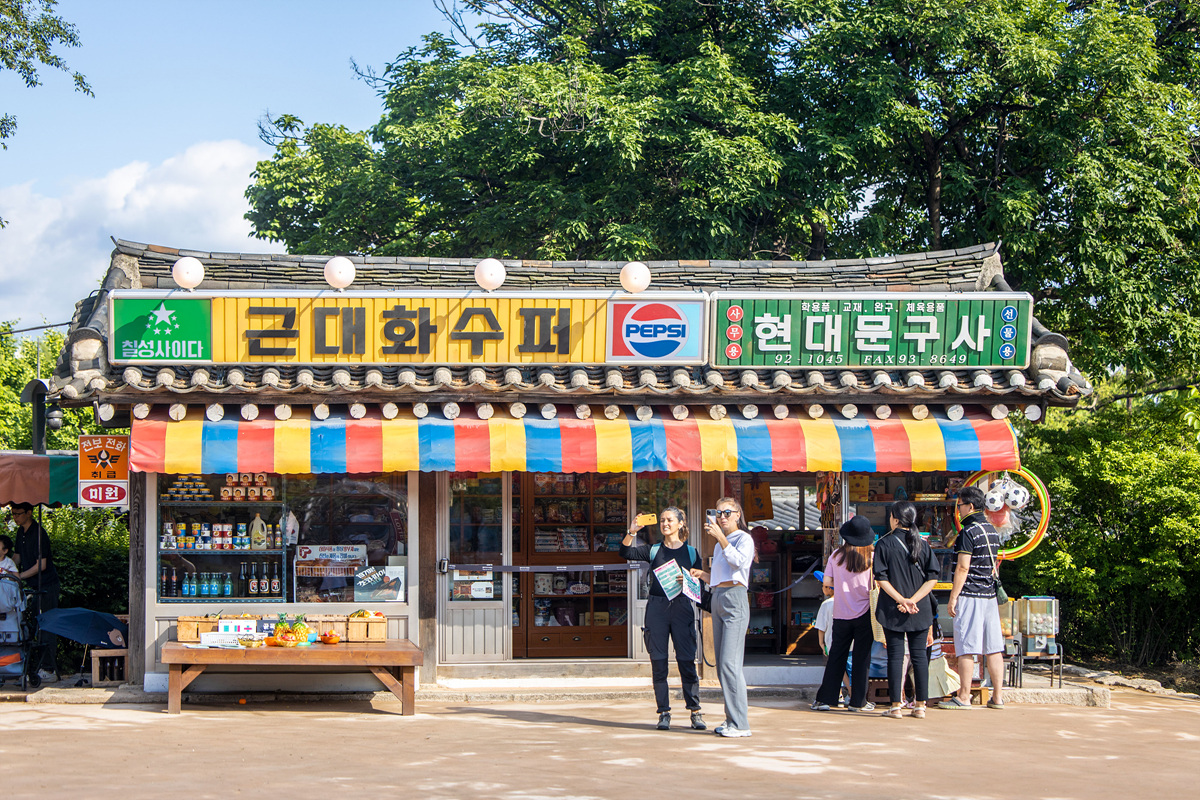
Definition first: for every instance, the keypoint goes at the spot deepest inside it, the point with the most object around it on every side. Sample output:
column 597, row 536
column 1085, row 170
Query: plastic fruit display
column 301, row 629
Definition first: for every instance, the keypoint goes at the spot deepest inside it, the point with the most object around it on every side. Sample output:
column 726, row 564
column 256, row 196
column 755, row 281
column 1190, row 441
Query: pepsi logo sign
column 655, row 331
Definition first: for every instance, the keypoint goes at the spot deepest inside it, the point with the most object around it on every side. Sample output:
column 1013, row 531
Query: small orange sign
column 104, row 458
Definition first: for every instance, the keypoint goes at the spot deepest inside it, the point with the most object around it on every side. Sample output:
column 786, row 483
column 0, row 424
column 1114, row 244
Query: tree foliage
column 788, row 129
column 1123, row 550
column 22, row 360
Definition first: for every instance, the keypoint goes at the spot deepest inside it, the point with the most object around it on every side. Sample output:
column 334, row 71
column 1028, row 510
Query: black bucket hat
column 857, row 532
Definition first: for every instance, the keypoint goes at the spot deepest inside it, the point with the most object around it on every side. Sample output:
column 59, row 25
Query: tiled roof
column 84, row 374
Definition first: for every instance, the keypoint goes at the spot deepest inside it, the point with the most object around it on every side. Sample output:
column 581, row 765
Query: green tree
column 620, row 129
column 22, row 360
column 29, row 33
column 1123, row 549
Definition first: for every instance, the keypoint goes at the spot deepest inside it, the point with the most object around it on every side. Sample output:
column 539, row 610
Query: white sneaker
column 47, row 676
column 730, row 732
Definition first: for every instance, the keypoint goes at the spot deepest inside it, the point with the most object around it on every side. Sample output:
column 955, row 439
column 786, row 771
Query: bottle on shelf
column 227, row 588
column 276, row 587
column 258, row 533
column 243, row 587
column 174, row 585
column 253, row 592
column 192, row 585
column 164, row 589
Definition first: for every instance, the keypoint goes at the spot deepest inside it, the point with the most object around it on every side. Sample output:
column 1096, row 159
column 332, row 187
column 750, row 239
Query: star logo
column 162, row 316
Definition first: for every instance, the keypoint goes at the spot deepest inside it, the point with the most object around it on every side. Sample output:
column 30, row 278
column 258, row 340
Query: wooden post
column 427, row 586
column 136, row 640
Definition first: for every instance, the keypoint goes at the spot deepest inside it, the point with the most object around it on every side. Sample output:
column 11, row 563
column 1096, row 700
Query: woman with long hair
column 906, row 570
column 848, row 573
column 729, row 579
column 672, row 620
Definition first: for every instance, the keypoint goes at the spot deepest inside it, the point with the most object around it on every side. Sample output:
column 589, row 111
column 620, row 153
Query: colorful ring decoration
column 1043, row 496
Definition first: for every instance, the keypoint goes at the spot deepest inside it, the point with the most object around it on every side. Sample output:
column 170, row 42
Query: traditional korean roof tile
column 84, row 374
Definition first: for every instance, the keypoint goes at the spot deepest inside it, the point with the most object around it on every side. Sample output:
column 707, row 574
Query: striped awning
column 50, row 479
column 342, row 444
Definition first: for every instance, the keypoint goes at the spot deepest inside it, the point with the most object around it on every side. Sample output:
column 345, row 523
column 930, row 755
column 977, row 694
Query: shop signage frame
column 104, row 471
column 322, row 328
column 917, row 330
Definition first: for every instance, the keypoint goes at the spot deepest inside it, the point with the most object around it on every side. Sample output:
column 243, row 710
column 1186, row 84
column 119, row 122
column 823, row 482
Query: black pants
column 48, row 642
column 845, row 632
column 675, row 619
column 920, row 662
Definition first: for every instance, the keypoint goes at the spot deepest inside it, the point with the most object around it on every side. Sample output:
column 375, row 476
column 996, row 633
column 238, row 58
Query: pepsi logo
column 655, row 330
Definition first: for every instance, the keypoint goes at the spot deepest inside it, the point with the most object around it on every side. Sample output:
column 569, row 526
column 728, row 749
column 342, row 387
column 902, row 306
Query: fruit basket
column 369, row 628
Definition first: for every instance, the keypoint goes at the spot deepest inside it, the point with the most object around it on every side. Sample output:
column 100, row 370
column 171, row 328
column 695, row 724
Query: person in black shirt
column 35, row 565
column 674, row 619
column 973, row 601
column 906, row 571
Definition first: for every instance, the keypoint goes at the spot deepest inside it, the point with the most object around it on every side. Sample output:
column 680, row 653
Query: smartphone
column 712, row 515
column 647, row 519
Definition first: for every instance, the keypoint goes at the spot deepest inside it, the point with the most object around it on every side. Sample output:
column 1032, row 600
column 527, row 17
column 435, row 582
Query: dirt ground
column 1144, row 746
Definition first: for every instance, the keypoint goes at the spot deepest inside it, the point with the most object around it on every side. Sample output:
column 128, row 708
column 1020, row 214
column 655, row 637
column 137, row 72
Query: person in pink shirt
column 848, row 573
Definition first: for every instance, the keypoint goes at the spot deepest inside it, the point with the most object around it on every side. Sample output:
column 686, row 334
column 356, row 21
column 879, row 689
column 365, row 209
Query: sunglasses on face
column 726, row 512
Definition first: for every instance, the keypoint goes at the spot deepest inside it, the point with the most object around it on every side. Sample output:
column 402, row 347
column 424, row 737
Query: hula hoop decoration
column 1003, row 498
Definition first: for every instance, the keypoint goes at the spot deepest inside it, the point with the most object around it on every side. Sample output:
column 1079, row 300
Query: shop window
column 352, row 539
column 476, row 534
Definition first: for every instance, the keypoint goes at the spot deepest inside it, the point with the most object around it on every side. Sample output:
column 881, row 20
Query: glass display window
column 578, row 514
column 221, row 538
column 476, row 520
column 351, row 538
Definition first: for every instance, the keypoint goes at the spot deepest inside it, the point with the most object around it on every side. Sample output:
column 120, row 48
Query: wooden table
column 393, row 661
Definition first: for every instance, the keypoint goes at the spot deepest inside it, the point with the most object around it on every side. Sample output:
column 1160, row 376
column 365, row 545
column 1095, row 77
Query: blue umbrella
column 85, row 626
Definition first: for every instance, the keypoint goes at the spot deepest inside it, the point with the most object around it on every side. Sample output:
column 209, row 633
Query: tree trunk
column 933, row 190
column 816, row 244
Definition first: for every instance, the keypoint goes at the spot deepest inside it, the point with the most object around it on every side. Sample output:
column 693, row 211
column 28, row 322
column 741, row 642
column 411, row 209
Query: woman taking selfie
column 732, row 556
column 673, row 619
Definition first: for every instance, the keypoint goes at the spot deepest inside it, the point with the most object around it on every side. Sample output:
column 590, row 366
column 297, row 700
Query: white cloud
column 56, row 250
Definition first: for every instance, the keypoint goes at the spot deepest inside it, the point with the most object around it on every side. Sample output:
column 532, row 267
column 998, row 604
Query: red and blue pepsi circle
column 656, row 331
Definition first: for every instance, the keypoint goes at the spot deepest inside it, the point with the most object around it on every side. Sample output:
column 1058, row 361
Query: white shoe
column 730, row 732
column 47, row 676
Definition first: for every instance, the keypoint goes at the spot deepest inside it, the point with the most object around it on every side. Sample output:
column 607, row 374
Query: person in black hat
column 36, row 567
column 848, row 573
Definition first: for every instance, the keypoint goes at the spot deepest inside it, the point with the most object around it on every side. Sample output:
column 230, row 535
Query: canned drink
column 196, row 528
column 180, row 529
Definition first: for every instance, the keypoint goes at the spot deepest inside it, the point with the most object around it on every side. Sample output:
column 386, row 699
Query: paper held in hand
column 668, row 578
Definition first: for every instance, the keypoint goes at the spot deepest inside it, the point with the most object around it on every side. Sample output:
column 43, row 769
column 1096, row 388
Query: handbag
column 876, row 625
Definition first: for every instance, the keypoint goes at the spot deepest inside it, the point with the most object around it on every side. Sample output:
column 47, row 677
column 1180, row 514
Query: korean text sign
column 104, row 471
column 886, row 330
column 393, row 328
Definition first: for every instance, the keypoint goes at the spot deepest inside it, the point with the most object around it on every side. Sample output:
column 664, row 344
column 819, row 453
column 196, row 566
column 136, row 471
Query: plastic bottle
column 258, row 533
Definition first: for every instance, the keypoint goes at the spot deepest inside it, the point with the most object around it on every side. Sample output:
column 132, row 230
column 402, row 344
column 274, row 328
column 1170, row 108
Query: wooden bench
column 393, row 661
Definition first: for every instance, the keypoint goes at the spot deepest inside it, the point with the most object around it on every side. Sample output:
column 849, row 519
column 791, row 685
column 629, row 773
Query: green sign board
column 163, row 328
column 886, row 330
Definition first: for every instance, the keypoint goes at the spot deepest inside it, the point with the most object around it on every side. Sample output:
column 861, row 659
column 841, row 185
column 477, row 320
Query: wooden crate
column 327, row 622
column 188, row 629
column 109, row 666
column 366, row 629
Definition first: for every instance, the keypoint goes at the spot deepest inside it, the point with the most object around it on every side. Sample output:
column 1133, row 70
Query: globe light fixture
column 490, row 274
column 635, row 277
column 188, row 272
column 339, row 272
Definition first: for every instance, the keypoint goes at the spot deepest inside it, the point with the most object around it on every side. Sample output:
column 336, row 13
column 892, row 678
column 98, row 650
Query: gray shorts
column 977, row 627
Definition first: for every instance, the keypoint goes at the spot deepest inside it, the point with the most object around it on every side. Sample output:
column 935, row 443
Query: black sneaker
column 698, row 721
column 664, row 721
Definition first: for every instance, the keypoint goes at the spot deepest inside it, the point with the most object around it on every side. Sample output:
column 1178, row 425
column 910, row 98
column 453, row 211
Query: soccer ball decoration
column 1016, row 496
column 994, row 499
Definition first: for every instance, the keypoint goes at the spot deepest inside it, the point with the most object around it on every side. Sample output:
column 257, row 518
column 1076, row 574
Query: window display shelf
column 204, row 553
column 218, row 503
column 222, row 600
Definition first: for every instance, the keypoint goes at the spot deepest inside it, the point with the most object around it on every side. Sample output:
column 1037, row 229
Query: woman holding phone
column 669, row 619
column 729, row 579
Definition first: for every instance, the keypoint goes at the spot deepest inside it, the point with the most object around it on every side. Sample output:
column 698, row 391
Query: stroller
column 20, row 652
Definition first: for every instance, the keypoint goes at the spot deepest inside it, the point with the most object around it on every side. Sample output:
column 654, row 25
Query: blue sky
column 164, row 150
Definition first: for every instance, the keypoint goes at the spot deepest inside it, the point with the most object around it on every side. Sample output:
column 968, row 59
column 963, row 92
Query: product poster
column 379, row 585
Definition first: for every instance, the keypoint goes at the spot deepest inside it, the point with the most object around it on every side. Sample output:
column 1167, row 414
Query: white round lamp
column 490, row 274
column 339, row 272
column 188, row 272
column 635, row 277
